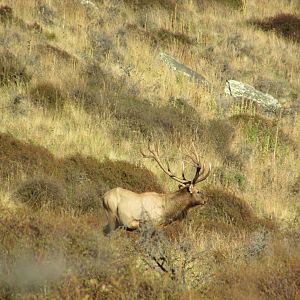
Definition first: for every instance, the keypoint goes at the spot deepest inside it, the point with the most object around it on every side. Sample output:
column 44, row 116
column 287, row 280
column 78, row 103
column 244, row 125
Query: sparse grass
column 93, row 92
column 265, row 133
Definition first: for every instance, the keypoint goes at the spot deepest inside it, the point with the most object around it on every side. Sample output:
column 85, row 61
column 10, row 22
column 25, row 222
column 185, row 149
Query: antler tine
column 205, row 176
column 183, row 169
column 196, row 153
column 199, row 171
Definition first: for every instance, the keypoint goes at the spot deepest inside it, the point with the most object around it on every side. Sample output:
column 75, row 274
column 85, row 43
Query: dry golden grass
column 82, row 89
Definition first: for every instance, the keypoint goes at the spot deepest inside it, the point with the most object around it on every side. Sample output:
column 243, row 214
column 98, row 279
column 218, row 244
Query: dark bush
column 11, row 69
column 286, row 25
column 112, row 173
column 225, row 212
column 17, row 156
column 47, row 95
column 87, row 197
column 160, row 37
column 42, row 192
column 85, row 179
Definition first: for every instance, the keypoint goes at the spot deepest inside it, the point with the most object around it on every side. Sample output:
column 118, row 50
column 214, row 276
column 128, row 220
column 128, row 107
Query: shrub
column 84, row 179
column 160, row 37
column 225, row 212
column 42, row 192
column 47, row 95
column 273, row 276
column 112, row 173
column 87, row 197
column 286, row 25
column 17, row 156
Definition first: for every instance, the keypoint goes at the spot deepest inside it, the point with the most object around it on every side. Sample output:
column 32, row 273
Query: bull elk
column 128, row 209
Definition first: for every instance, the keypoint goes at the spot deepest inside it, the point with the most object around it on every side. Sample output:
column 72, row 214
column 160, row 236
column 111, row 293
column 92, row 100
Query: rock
column 174, row 65
column 243, row 91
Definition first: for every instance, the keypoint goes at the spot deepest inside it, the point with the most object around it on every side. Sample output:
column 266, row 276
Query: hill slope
column 83, row 89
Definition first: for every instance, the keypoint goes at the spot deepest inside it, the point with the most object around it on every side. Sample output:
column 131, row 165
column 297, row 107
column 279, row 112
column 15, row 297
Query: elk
column 128, row 209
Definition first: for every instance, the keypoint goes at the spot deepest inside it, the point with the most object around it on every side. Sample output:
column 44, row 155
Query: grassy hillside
column 82, row 90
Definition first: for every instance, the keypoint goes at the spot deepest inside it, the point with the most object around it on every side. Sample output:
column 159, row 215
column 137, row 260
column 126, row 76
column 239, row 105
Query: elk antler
column 194, row 157
column 154, row 155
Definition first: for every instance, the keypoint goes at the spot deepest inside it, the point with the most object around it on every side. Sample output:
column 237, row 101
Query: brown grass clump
column 6, row 14
column 138, row 4
column 224, row 212
column 227, row 4
column 47, row 95
column 286, row 25
column 11, row 69
column 295, row 188
column 60, row 54
column 160, row 37
column 174, row 231
column 42, row 193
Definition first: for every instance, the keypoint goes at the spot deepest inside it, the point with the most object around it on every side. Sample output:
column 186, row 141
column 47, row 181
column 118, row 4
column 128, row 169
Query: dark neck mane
column 177, row 204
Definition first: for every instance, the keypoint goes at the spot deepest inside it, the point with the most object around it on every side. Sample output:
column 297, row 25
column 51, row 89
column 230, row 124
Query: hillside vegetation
column 83, row 89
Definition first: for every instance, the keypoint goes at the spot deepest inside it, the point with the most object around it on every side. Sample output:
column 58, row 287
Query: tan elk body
column 129, row 209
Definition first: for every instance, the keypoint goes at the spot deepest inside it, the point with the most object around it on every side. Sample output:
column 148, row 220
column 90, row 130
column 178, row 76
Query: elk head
column 188, row 185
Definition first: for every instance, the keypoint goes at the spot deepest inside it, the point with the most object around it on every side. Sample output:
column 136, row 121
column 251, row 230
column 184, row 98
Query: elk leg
column 111, row 225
